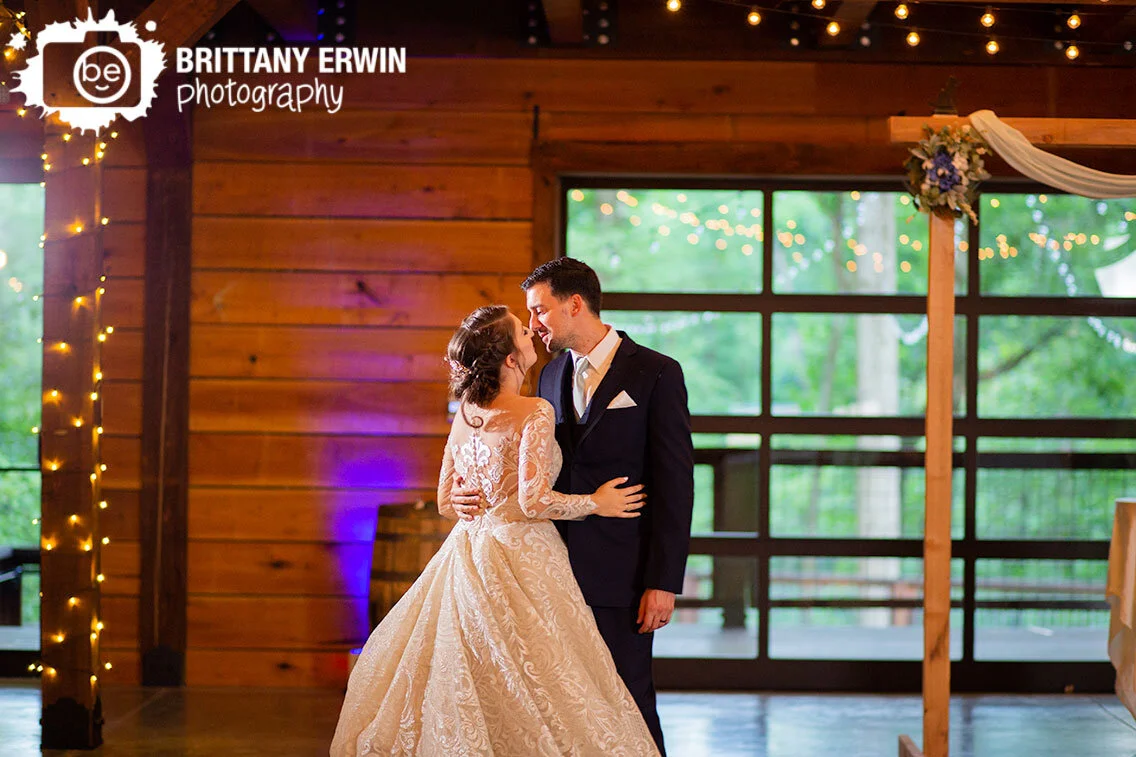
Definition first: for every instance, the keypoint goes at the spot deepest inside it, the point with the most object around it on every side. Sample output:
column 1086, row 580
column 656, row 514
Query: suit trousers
column 631, row 652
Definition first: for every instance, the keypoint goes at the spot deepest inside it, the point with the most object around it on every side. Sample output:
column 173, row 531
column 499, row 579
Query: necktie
column 583, row 372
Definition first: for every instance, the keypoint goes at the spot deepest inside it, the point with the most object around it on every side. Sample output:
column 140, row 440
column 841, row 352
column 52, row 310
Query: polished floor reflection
column 289, row 722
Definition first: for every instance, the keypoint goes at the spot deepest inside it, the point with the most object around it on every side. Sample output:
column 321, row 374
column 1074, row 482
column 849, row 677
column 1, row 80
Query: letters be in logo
column 78, row 74
column 92, row 71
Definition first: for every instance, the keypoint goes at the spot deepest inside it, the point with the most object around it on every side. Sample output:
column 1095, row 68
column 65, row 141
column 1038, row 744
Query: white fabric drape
column 1015, row 148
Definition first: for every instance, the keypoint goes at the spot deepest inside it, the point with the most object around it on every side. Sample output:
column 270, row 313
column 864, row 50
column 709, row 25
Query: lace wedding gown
column 493, row 651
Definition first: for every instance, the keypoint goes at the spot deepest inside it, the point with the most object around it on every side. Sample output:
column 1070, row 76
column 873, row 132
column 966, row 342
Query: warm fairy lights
column 83, row 537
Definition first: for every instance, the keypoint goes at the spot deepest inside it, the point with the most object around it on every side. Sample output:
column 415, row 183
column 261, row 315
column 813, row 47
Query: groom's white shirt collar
column 601, row 355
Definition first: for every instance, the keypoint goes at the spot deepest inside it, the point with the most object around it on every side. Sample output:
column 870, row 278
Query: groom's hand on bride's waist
column 466, row 500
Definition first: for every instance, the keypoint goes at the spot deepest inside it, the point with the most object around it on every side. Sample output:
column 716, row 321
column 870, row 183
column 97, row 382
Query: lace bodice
column 514, row 460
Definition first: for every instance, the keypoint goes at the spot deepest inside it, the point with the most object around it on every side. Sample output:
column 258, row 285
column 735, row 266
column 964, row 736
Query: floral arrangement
column 945, row 169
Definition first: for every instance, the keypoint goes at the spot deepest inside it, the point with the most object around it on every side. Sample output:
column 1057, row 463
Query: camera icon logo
column 92, row 71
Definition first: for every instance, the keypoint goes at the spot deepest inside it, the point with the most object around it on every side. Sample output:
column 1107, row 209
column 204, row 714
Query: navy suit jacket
column 616, row 559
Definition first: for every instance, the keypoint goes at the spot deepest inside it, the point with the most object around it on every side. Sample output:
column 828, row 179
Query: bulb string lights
column 1069, row 24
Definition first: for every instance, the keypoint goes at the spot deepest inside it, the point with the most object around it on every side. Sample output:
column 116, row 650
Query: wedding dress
column 493, row 651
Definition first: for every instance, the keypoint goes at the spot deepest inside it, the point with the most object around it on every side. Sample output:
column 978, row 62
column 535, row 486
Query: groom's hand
column 466, row 501
column 655, row 609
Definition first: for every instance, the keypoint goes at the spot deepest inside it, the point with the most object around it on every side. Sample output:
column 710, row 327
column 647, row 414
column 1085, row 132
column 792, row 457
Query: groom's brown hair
column 566, row 277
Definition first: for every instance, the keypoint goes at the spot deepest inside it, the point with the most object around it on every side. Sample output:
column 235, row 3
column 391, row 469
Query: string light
column 1073, row 21
column 754, row 18
column 992, row 47
column 902, row 11
column 913, row 38
column 819, row 4
column 674, row 5
column 833, row 28
column 987, row 19
column 1072, row 52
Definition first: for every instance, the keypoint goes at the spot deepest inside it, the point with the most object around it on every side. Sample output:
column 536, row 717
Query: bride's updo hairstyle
column 476, row 353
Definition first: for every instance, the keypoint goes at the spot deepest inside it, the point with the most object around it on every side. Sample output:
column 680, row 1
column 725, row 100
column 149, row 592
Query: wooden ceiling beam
column 293, row 20
column 566, row 21
column 183, row 22
column 1064, row 132
column 850, row 14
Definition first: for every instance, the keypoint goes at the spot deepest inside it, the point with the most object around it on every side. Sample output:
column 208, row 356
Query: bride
column 493, row 651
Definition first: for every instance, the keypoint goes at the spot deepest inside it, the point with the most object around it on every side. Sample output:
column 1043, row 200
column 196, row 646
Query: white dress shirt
column 599, row 360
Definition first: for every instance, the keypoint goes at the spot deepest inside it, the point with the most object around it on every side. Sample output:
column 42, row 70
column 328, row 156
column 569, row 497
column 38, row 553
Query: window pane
column 726, row 464
column 1035, row 633
column 21, row 313
column 853, row 243
column 723, row 619
column 861, row 633
column 666, row 240
column 842, row 494
column 848, row 364
column 1057, row 245
column 1059, row 496
column 1056, row 367
column 720, row 354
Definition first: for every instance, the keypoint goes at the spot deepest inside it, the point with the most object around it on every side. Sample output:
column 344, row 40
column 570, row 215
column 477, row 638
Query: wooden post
column 163, row 512
column 72, row 717
column 937, row 526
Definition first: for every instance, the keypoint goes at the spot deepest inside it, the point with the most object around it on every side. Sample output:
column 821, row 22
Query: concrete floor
column 289, row 722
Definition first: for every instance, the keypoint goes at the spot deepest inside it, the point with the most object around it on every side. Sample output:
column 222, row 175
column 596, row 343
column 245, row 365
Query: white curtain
column 1015, row 149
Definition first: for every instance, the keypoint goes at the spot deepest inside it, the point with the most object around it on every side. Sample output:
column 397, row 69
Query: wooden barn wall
column 123, row 239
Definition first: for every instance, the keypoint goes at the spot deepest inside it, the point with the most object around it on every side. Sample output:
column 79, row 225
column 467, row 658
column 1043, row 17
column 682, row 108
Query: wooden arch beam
column 565, row 21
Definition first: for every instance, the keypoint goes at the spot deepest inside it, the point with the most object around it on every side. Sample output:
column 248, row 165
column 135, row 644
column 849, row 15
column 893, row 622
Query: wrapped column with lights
column 69, row 443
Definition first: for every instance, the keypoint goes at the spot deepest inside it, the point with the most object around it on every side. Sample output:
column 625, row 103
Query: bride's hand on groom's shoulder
column 466, row 500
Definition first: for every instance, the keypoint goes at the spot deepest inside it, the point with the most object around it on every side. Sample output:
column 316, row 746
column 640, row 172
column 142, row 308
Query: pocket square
column 622, row 400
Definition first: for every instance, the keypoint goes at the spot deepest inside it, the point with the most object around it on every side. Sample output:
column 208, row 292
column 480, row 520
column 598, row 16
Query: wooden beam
column 294, row 20
column 1065, row 132
column 850, row 14
column 163, row 508
column 907, row 747
column 70, row 607
column 937, row 523
column 183, row 22
column 565, row 21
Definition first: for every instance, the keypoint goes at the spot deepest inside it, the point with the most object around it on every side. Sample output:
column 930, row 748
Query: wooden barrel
column 406, row 537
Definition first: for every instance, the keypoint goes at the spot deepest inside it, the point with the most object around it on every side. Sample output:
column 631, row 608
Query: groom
column 620, row 411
